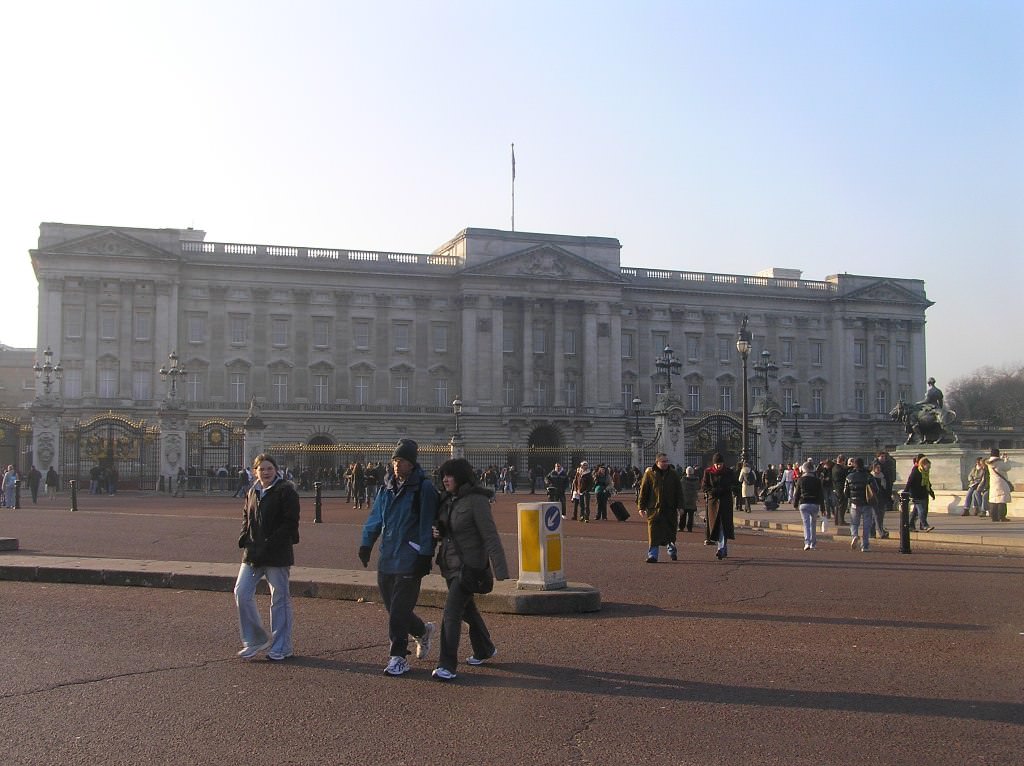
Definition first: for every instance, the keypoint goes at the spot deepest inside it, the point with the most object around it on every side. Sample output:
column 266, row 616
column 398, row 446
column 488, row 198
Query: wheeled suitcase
column 619, row 510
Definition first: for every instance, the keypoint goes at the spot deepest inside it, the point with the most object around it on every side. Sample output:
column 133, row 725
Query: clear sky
column 881, row 137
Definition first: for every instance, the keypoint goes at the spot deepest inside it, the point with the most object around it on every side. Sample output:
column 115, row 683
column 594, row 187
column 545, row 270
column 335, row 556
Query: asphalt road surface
column 773, row 656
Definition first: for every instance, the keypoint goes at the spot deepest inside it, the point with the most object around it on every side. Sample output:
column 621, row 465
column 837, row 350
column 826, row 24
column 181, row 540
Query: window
column 279, row 387
column 236, row 387
column 361, row 389
column 143, row 325
column 570, row 393
column 508, row 341
column 361, row 334
column 725, row 347
column 693, row 398
column 401, row 390
column 627, row 345
column 401, row 332
column 725, row 398
column 193, row 388
column 73, row 321
column 569, row 342
column 659, row 389
column 71, row 387
column 238, row 326
column 659, row 340
column 540, row 394
column 440, row 337
column 788, row 397
column 858, row 353
column 108, row 324
column 441, row 393
column 901, row 355
column 756, row 393
column 279, row 331
column 321, row 388
column 692, row 348
column 510, row 393
column 627, row 397
column 817, row 401
column 858, row 400
column 106, row 387
column 786, row 350
column 141, row 384
column 540, row 339
column 321, row 332
column 882, row 355
column 817, row 353
column 904, row 394
column 197, row 328
column 882, row 401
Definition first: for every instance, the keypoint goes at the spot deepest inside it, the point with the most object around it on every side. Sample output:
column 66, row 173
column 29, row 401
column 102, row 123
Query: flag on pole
column 513, row 162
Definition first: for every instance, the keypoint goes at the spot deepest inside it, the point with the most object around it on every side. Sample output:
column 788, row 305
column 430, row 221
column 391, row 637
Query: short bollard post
column 74, row 494
column 17, row 494
column 317, row 503
column 904, row 522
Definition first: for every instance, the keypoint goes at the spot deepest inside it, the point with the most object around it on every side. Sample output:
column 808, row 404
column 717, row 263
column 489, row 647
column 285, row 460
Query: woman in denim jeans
column 808, row 496
column 920, row 488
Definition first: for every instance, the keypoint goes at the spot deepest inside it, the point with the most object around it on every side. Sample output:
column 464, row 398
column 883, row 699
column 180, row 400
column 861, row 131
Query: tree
column 995, row 396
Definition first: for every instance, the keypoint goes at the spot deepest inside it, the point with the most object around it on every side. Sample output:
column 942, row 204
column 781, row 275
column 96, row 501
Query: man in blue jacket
column 402, row 517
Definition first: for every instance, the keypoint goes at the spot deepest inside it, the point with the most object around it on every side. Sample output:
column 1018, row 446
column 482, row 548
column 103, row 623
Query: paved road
column 774, row 656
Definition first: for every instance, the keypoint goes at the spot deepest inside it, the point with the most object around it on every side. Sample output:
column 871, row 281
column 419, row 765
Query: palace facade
column 546, row 339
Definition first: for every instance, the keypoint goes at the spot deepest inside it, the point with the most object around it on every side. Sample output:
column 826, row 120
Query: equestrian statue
column 927, row 421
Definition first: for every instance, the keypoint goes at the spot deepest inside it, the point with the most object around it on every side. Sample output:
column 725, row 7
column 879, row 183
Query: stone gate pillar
column 173, row 441
column 668, row 427
column 767, row 423
column 254, row 439
column 46, row 411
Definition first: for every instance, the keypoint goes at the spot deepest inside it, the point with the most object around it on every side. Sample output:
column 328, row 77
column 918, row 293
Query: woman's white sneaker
column 474, row 660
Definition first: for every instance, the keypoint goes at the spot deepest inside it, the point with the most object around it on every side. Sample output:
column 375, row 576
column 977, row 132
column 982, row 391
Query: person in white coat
column 999, row 486
column 748, row 485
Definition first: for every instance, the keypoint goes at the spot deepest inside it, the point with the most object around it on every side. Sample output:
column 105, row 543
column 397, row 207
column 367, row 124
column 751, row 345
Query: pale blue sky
column 879, row 138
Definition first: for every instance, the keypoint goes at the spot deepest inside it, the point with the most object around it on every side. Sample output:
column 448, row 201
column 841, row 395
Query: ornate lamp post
column 668, row 365
column 766, row 368
column 636, row 412
column 457, row 409
column 172, row 373
column 743, row 345
column 48, row 372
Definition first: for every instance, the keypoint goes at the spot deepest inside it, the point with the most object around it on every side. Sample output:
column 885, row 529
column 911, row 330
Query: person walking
column 35, row 477
column 748, row 485
column 860, row 489
column 557, row 482
column 691, row 490
column 717, row 484
column 582, row 486
column 402, row 518
column 10, row 484
column 661, row 495
column 51, row 482
column 809, row 497
column 999, row 486
column 920, row 488
column 883, row 500
column 469, row 540
column 602, row 489
column 270, row 529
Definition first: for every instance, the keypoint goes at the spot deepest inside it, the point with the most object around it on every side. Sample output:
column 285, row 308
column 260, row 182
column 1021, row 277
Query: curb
column 307, row 582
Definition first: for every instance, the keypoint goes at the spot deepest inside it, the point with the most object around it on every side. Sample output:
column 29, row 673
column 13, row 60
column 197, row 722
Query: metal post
column 317, row 503
column 17, row 494
column 74, row 494
column 904, row 522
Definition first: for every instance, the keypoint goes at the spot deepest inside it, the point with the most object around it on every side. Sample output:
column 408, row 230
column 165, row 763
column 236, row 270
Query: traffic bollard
column 317, row 503
column 17, row 494
column 74, row 494
column 904, row 522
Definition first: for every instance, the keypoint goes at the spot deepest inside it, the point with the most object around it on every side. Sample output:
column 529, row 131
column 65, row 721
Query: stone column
column 254, row 438
column 615, row 358
column 668, row 427
column 46, row 413
column 559, row 361
column 527, row 354
column 470, row 363
column 589, row 362
column 173, row 418
column 767, row 423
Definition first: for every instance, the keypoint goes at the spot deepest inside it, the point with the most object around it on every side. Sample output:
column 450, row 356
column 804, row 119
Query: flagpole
column 513, row 187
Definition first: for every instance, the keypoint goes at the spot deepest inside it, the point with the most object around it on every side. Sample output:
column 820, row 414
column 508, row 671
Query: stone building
column 546, row 339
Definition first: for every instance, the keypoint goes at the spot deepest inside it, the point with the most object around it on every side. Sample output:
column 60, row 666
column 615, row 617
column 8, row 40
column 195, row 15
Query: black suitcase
column 619, row 510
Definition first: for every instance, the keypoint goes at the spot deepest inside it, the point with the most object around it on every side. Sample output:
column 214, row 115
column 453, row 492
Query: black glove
column 422, row 568
column 364, row 554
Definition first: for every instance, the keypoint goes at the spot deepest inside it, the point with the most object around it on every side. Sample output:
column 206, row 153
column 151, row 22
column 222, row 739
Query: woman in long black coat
column 718, row 484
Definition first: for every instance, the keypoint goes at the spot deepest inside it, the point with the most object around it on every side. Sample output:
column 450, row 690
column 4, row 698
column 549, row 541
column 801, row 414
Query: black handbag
column 472, row 579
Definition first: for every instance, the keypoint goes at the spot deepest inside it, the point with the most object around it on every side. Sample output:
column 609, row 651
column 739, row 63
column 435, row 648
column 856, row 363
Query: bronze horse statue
column 928, row 424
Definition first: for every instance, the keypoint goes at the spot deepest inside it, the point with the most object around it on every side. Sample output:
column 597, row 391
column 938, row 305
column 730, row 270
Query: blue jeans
column 809, row 515
column 250, row 626
column 400, row 592
column 652, row 552
column 921, row 508
column 862, row 520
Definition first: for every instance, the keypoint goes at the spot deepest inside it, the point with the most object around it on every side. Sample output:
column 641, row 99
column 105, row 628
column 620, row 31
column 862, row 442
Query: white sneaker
column 424, row 642
column 248, row 652
column 807, row 547
column 854, row 542
column 474, row 660
column 397, row 666
column 443, row 674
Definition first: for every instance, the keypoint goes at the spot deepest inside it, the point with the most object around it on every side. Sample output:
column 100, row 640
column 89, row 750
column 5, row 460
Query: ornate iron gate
column 214, row 456
column 127, row 451
column 718, row 432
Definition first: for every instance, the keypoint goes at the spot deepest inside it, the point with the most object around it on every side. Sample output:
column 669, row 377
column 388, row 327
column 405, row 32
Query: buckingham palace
column 542, row 339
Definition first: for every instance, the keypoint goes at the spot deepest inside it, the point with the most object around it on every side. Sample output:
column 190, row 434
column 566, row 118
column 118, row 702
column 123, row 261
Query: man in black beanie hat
column 403, row 517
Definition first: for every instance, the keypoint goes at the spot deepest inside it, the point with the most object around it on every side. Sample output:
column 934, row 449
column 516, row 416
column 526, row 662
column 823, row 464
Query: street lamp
column 48, row 371
column 743, row 345
column 668, row 365
column 765, row 368
column 796, row 423
column 172, row 373
column 636, row 411
column 457, row 409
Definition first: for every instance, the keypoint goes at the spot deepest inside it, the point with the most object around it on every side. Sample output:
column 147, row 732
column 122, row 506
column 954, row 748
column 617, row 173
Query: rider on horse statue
column 928, row 419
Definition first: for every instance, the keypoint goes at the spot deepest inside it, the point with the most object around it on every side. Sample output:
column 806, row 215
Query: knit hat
column 807, row 467
column 406, row 449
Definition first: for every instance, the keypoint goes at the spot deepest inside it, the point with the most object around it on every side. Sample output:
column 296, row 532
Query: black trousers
column 400, row 592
